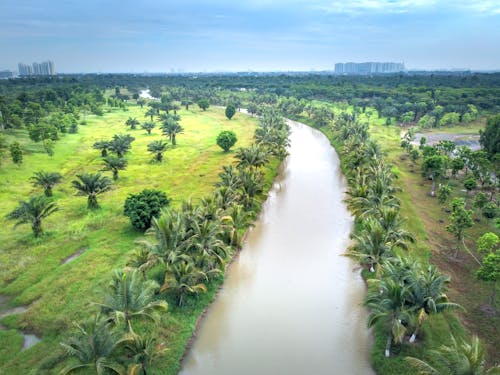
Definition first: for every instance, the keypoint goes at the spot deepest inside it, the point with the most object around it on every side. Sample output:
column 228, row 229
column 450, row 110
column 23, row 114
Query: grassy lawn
column 31, row 270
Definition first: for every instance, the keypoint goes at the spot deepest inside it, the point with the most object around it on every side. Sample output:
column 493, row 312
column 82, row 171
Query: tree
column 460, row 219
column 443, row 194
column 148, row 126
column 226, row 139
column 141, row 208
column 487, row 243
column 46, row 180
column 151, row 112
column 489, row 210
column 157, row 148
column 433, row 166
column 114, row 164
column 490, row 272
column 103, row 146
column 129, row 296
column 16, row 153
column 172, row 128
column 470, row 183
column 251, row 157
column 32, row 212
column 203, row 104
column 143, row 351
column 132, row 122
column 182, row 279
column 91, row 185
column 93, row 345
column 230, row 111
column 490, row 136
column 121, row 144
column 459, row 358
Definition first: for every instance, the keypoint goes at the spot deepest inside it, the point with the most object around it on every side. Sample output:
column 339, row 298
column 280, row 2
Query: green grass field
column 31, row 270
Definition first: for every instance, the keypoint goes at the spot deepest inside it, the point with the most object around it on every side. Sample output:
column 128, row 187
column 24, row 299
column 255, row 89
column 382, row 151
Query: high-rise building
column 369, row 68
column 45, row 68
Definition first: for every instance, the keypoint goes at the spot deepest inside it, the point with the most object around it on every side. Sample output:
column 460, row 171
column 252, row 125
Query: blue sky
column 259, row 35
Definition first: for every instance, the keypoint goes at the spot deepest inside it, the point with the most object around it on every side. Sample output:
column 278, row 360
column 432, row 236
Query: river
column 291, row 304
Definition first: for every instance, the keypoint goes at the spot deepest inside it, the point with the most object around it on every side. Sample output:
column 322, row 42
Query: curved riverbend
column 291, row 304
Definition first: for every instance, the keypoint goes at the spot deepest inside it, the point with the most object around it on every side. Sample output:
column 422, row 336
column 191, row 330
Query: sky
column 242, row 35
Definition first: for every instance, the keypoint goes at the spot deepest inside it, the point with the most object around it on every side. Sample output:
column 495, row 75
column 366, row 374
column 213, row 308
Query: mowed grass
column 31, row 270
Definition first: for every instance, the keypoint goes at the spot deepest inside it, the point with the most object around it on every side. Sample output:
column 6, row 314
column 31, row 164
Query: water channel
column 291, row 304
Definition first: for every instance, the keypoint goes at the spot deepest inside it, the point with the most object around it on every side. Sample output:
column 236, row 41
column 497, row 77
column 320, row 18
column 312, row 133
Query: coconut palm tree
column 114, row 164
column 251, row 185
column 235, row 223
column 91, row 185
column 182, row 279
column 372, row 246
column 33, row 211
column 46, row 180
column 427, row 295
column 157, row 148
column 252, row 157
column 129, row 297
column 143, row 350
column 148, row 126
column 93, row 345
column 392, row 223
column 132, row 122
column 225, row 196
column 386, row 302
column 458, row 358
column 172, row 128
column 205, row 239
column 229, row 177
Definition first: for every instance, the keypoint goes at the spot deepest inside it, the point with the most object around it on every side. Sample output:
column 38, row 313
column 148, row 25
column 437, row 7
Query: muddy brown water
column 291, row 304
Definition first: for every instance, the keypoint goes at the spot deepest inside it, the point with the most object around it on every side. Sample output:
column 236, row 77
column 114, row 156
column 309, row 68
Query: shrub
column 226, row 139
column 141, row 208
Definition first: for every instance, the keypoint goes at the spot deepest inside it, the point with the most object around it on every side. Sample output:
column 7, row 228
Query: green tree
column 203, row 104
column 230, row 111
column 130, row 296
column 460, row 219
column 158, row 148
column 48, row 146
column 459, row 358
column 443, row 194
column 144, row 351
column 433, row 166
column 226, row 139
column 132, row 122
column 151, row 112
column 251, row 157
column 103, row 146
column 91, row 185
column 490, row 136
column 46, row 180
column 489, row 210
column 487, row 243
column 121, row 144
column 141, row 208
column 33, row 212
column 16, row 153
column 490, row 272
column 114, row 164
column 171, row 128
column 182, row 278
column 148, row 126
column 93, row 345
column 470, row 183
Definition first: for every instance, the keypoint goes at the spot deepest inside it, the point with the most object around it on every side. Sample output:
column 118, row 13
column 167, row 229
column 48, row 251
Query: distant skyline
column 258, row 35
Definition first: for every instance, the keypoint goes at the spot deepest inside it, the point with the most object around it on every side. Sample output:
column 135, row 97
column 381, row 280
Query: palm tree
column 130, row 296
column 252, row 184
column 46, row 180
column 91, row 185
column 33, row 211
column 151, row 112
column 121, row 144
column 103, row 146
column 172, row 128
column 387, row 304
column 427, row 294
column 459, row 358
column 229, row 177
column 143, row 351
column 158, row 148
column 252, row 157
column 93, row 345
column 182, row 279
column 132, row 122
column 235, row 223
column 148, row 126
column 114, row 164
column 372, row 246
column 143, row 258
column 392, row 223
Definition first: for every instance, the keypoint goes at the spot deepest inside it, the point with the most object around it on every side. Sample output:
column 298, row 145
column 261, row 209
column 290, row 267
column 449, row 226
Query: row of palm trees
column 188, row 247
column 402, row 292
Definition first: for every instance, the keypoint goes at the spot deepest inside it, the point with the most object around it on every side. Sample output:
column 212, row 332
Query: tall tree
column 132, row 122
column 158, row 148
column 46, row 180
column 114, row 164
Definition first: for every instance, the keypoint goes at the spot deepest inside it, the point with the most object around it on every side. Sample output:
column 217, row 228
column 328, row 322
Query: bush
column 230, row 111
column 141, row 208
column 489, row 210
column 226, row 139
